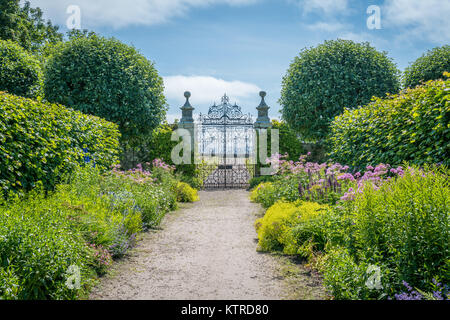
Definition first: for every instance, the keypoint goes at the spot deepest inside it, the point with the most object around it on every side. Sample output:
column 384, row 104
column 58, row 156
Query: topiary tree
column 109, row 79
column 430, row 66
column 324, row 80
column 20, row 72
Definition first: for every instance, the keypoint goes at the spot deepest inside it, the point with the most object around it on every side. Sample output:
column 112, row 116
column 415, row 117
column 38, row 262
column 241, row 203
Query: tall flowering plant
column 328, row 182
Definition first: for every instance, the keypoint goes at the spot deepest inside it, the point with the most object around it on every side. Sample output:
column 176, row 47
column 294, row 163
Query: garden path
column 207, row 250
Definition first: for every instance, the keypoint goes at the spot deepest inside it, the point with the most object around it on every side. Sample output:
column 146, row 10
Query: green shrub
column 411, row 126
column 277, row 221
column 275, row 228
column 324, row 80
column 109, row 79
column 185, row 193
column 43, row 142
column 431, row 66
column 20, row 72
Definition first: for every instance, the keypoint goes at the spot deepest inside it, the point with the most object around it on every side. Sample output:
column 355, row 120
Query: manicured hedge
column 412, row 126
column 430, row 66
column 42, row 142
column 20, row 71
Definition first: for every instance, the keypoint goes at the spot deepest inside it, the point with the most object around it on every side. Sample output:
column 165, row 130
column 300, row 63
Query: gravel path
column 207, row 250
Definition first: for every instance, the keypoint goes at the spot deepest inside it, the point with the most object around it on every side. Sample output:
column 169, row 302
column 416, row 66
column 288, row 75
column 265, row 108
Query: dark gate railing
column 236, row 176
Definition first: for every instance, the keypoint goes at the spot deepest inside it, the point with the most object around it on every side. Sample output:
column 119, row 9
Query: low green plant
column 279, row 229
column 185, row 193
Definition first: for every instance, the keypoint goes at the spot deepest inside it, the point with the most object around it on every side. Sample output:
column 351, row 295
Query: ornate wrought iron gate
column 226, row 145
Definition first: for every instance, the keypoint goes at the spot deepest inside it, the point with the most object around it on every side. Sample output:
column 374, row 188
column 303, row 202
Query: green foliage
column 289, row 142
column 404, row 228
column 25, row 26
column 277, row 221
column 394, row 231
column 109, row 79
column 37, row 246
column 255, row 181
column 20, row 72
column 412, row 126
column 83, row 224
column 40, row 142
column 160, row 144
column 185, row 193
column 264, row 194
column 430, row 66
column 324, row 80
column 157, row 145
column 275, row 228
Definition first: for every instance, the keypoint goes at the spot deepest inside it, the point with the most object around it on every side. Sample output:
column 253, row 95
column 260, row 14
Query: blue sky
column 242, row 46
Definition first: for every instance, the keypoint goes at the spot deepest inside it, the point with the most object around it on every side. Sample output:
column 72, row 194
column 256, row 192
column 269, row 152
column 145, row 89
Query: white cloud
column 206, row 89
column 419, row 19
column 121, row 13
column 326, row 6
column 327, row 26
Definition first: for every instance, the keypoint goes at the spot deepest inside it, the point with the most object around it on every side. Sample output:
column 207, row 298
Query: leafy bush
column 42, row 142
column 20, row 72
column 277, row 221
column 411, row 126
column 431, row 66
column 109, row 79
column 185, row 193
column 275, row 229
column 324, row 80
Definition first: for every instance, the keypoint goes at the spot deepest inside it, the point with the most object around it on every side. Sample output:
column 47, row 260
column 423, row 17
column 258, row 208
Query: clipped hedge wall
column 40, row 142
column 412, row 126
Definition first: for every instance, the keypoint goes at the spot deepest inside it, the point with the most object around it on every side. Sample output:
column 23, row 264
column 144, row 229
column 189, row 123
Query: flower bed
column 54, row 247
column 370, row 233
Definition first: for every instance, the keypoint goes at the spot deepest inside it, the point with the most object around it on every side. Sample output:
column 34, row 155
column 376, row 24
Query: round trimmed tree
column 324, row 80
column 430, row 66
column 109, row 79
column 20, row 72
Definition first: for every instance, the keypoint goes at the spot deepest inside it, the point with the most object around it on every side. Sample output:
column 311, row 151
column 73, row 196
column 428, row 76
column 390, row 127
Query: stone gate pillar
column 187, row 122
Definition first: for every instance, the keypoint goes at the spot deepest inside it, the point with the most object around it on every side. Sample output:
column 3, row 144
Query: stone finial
column 187, row 110
column 263, row 120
